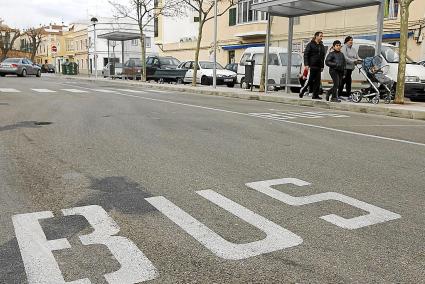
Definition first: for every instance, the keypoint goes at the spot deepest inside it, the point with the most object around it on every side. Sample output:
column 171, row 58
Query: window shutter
column 232, row 17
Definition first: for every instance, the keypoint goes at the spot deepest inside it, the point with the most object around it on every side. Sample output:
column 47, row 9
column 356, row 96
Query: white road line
column 7, row 90
column 104, row 91
column 131, row 91
column 74, row 90
column 302, row 115
column 43, row 91
column 286, row 121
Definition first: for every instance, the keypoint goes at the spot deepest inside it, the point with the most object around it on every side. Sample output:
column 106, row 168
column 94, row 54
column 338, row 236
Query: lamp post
column 94, row 21
column 215, row 46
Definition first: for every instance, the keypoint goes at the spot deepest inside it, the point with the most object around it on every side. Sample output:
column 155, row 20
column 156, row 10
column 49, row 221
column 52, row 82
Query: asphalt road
column 167, row 172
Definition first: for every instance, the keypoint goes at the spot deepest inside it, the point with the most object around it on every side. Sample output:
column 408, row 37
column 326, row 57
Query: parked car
column 153, row 63
column 132, row 69
column 48, row 68
column 415, row 73
column 107, row 70
column 232, row 67
column 20, row 67
column 205, row 73
column 278, row 58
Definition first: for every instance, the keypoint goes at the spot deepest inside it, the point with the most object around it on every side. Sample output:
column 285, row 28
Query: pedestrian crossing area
column 287, row 115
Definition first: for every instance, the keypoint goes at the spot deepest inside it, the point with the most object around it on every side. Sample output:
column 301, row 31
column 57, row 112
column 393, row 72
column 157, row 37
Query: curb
column 351, row 107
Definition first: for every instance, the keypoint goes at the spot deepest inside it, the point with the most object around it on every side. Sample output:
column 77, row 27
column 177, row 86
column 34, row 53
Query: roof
column 297, row 8
column 120, row 36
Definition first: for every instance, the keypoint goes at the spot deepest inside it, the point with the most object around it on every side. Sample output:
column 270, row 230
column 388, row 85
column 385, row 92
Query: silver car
column 19, row 66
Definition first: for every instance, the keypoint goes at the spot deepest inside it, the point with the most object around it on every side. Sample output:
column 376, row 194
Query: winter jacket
column 336, row 61
column 351, row 56
column 314, row 55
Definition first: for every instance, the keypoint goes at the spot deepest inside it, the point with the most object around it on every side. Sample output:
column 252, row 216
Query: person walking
column 314, row 57
column 352, row 58
column 336, row 62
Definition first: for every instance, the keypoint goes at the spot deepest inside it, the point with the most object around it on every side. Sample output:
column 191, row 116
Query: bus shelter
column 121, row 37
column 297, row 8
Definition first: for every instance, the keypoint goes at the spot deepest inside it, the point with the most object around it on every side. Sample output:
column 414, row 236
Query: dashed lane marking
column 292, row 115
column 8, row 90
column 131, row 91
column 43, row 91
column 104, row 91
column 74, row 90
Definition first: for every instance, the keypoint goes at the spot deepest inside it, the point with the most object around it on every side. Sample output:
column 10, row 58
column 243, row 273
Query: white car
column 205, row 73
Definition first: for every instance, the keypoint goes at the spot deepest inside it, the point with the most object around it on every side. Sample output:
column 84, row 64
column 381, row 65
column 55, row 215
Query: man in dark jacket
column 314, row 57
column 336, row 62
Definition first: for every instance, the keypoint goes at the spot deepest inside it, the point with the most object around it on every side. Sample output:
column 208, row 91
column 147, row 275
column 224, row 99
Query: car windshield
column 391, row 55
column 12, row 60
column 209, row 65
column 169, row 61
column 296, row 59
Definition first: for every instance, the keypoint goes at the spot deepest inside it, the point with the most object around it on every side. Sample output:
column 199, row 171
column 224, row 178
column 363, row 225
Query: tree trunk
column 34, row 50
column 263, row 73
column 198, row 47
column 404, row 26
column 143, row 59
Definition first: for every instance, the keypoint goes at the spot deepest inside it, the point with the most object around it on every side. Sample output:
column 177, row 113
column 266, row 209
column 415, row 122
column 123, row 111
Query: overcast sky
column 32, row 13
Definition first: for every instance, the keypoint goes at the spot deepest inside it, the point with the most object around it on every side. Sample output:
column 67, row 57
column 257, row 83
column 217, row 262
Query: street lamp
column 215, row 46
column 94, row 21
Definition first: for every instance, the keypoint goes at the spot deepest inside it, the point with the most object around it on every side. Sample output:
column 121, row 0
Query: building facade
column 240, row 28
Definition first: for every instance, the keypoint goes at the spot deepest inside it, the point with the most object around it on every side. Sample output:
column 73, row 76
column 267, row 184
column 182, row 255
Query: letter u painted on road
column 376, row 214
column 277, row 237
column 39, row 261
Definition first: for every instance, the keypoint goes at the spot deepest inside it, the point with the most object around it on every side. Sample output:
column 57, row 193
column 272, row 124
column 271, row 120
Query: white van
column 415, row 73
column 278, row 58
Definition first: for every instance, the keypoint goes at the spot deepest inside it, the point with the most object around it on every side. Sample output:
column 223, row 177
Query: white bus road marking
column 271, row 118
column 8, row 90
column 41, row 266
column 43, row 91
column 104, row 91
column 131, row 91
column 277, row 238
column 376, row 214
column 74, row 91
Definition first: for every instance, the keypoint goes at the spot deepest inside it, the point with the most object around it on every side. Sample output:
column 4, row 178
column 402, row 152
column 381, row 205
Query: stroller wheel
column 375, row 100
column 357, row 97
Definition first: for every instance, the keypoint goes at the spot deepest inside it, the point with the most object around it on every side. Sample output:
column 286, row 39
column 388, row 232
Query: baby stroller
column 375, row 73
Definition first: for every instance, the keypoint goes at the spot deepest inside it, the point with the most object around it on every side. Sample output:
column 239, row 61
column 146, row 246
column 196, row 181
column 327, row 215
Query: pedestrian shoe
column 335, row 100
column 317, row 98
column 328, row 97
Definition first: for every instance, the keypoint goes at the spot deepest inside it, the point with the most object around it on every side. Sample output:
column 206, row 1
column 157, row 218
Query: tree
column 203, row 8
column 263, row 67
column 144, row 12
column 35, row 35
column 8, row 37
column 404, row 26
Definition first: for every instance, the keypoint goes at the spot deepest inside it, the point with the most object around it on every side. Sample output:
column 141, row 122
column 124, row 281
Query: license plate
column 228, row 80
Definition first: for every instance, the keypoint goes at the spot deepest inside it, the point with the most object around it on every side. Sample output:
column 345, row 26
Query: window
column 273, row 59
column 296, row 59
column 231, row 56
column 232, row 17
column 148, row 42
column 258, row 57
column 246, row 15
column 155, row 27
column 134, row 42
column 366, row 51
column 391, row 9
column 244, row 58
column 187, row 65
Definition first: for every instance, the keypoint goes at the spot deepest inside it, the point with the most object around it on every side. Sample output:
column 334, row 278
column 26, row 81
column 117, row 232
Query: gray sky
column 32, row 13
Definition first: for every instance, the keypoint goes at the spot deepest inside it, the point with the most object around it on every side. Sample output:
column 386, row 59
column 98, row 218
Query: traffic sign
column 54, row 48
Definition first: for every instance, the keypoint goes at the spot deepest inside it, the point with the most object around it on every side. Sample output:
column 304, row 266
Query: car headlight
column 219, row 75
column 412, row 79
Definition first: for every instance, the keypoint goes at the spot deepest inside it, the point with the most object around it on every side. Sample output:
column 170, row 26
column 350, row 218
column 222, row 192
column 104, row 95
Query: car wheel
column 180, row 81
column 244, row 85
column 38, row 73
column 231, row 85
column 2, row 75
column 204, row 81
column 24, row 73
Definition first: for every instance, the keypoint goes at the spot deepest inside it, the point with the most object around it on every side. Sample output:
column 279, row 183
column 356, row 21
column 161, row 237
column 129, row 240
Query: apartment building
column 240, row 28
column 51, row 45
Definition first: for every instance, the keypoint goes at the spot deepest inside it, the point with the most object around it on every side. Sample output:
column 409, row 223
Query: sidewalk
column 410, row 110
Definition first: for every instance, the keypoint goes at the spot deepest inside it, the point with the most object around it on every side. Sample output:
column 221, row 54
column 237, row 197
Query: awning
column 119, row 36
column 252, row 34
column 297, row 8
column 242, row 46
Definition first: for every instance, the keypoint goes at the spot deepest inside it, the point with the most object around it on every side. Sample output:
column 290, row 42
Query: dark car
column 48, row 68
column 132, row 69
column 154, row 63
column 20, row 67
column 232, row 67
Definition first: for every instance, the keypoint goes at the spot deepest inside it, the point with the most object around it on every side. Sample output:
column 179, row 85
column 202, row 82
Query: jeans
column 314, row 80
column 337, row 78
column 347, row 82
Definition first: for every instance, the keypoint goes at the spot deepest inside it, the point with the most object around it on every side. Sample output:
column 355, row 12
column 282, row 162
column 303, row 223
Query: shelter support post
column 109, row 57
column 266, row 77
column 380, row 28
column 289, row 62
column 122, row 57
